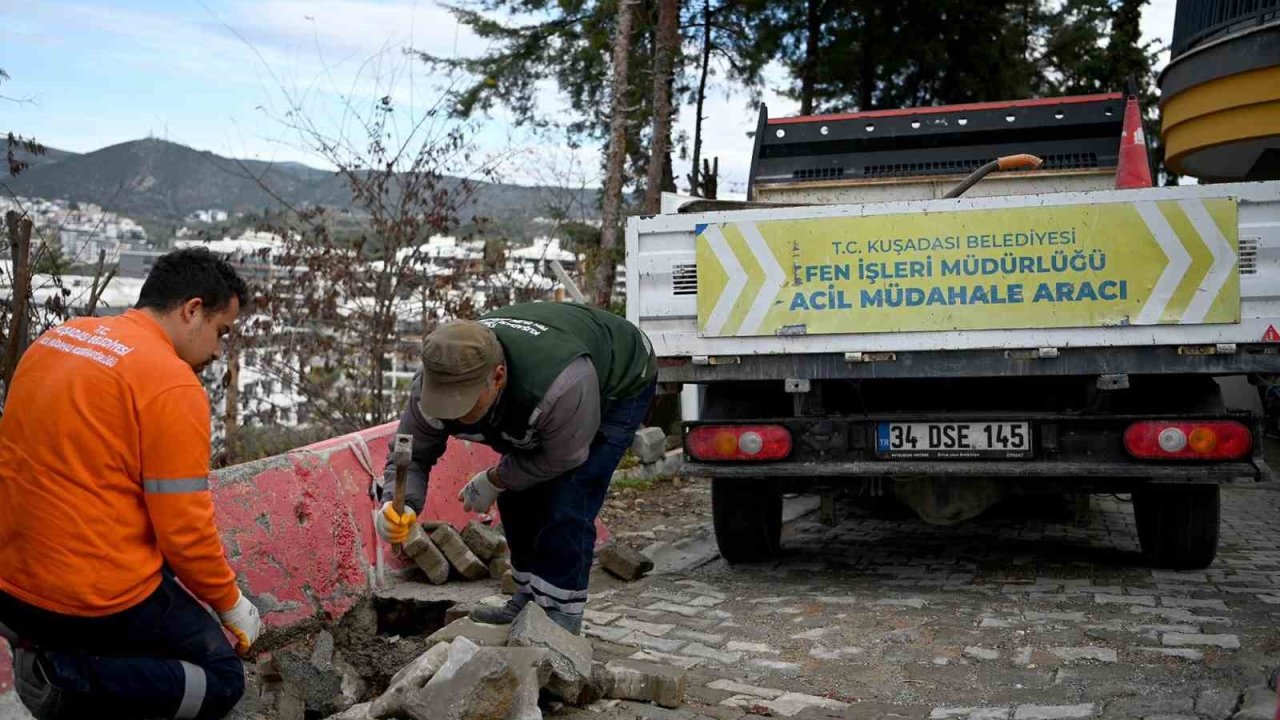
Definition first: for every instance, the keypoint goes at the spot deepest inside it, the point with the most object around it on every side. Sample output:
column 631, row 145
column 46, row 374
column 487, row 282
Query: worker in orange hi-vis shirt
column 105, row 507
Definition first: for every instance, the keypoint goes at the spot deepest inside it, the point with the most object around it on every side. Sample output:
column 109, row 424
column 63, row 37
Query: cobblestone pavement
column 1017, row 617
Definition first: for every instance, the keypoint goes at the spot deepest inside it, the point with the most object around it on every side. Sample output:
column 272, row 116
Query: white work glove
column 242, row 621
column 394, row 526
column 479, row 493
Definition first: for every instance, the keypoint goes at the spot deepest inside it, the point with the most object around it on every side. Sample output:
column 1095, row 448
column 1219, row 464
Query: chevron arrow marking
column 772, row 283
column 737, row 280
column 1179, row 261
column 1224, row 261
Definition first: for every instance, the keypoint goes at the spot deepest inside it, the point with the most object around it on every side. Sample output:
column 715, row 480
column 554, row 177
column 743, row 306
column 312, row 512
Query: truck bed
column 663, row 300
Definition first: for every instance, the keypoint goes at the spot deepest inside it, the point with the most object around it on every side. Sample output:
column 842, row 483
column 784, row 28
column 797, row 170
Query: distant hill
column 164, row 182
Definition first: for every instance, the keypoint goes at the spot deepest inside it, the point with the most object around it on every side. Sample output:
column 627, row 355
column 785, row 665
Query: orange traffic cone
column 1133, row 170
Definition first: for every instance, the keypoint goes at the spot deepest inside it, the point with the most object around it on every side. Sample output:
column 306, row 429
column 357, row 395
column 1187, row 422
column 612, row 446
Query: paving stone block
column 458, row 554
column 649, row 642
column 664, row 658
column 706, row 601
column 509, row 584
column 645, row 681
column 821, row 653
column 604, row 632
column 1228, row 642
column 1053, row 712
column 789, row 669
column 1076, row 654
column 1125, row 600
column 723, row 657
column 695, row 636
column 570, row 655
column 500, row 565
column 1217, row 703
column 650, row 445
column 624, row 562
column 751, row 647
column 1183, row 653
column 1259, row 703
column 426, row 556
column 971, row 713
column 655, row 629
column 599, row 618
column 916, row 603
column 744, row 689
column 486, row 542
column 981, row 653
column 1195, row 603
column 673, row 608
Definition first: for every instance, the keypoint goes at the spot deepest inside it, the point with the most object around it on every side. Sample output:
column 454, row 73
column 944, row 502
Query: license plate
column 960, row 440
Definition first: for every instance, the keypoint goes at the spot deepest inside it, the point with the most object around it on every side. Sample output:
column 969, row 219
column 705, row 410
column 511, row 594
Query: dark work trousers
column 165, row 657
column 551, row 527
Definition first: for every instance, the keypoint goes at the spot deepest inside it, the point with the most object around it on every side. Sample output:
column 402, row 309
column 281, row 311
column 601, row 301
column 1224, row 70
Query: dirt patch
column 642, row 506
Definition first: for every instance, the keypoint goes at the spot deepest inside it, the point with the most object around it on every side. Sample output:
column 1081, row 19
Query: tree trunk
column 667, row 45
column 695, row 175
column 231, row 400
column 813, row 28
column 611, row 207
column 19, row 232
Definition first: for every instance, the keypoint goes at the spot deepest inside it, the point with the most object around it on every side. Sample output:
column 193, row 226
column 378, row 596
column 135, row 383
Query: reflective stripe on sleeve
column 176, row 485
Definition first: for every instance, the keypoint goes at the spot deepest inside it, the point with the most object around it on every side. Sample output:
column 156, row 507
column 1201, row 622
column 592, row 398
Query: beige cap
column 458, row 359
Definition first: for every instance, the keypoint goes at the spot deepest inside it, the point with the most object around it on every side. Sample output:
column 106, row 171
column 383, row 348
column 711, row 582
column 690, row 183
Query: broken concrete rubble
column 486, row 542
column 426, row 556
column 355, row 712
column 570, row 654
column 326, row 684
column 450, row 543
column 479, row 633
column 639, row 680
column 484, row 687
column 410, row 680
column 624, row 562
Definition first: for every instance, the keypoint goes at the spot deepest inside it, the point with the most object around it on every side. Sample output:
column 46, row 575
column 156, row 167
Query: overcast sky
column 212, row 74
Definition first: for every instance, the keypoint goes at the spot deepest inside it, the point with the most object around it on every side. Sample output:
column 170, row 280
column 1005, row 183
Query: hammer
column 401, row 455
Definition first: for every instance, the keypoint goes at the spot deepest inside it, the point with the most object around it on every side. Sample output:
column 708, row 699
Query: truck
column 879, row 321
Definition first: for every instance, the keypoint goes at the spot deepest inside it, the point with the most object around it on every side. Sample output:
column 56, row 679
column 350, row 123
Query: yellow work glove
column 242, row 621
column 394, row 526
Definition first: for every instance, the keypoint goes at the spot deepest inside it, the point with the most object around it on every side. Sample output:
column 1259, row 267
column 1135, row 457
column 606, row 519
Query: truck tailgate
column 927, row 276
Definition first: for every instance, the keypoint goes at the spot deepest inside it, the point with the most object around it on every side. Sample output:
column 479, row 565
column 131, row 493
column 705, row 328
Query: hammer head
column 402, row 450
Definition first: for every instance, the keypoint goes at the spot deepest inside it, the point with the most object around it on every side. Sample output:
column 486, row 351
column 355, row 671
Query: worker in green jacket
column 560, row 390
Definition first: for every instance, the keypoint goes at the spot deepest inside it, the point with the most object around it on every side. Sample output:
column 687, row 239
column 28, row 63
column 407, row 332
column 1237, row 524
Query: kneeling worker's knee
column 224, row 686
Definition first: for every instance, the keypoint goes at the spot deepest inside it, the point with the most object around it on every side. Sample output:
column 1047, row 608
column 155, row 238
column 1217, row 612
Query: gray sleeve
column 428, row 445
column 567, row 422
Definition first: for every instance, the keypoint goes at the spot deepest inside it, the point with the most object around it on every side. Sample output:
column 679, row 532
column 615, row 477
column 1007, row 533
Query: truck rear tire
column 748, row 519
column 1178, row 524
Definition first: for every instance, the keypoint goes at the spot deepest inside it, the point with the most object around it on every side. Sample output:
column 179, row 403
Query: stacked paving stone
column 479, row 551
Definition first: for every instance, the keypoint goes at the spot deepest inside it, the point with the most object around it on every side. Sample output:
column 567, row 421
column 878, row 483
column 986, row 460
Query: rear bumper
column 1103, row 475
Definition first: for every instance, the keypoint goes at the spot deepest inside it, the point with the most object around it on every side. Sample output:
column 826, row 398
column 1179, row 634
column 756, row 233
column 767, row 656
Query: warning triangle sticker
column 1271, row 335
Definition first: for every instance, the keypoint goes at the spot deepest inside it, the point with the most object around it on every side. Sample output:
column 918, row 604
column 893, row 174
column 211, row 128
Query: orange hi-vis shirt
column 104, row 472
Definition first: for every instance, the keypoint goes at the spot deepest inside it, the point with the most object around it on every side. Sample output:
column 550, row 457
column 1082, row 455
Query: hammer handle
column 402, row 479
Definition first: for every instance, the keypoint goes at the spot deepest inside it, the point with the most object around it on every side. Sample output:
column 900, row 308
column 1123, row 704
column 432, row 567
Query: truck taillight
column 738, row 442
column 1207, row 440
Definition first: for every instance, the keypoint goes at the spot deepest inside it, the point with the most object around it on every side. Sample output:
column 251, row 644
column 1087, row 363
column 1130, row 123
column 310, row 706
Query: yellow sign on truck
column 1090, row 265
